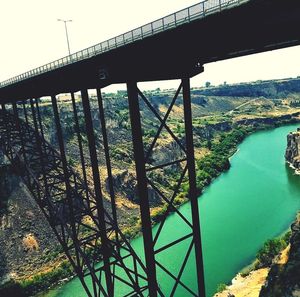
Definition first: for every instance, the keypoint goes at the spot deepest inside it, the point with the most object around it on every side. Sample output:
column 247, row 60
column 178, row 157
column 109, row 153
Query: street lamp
column 66, row 21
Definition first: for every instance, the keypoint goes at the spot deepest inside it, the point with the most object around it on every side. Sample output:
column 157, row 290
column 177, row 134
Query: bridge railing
column 168, row 22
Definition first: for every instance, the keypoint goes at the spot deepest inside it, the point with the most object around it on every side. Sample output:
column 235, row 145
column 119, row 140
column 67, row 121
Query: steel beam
column 192, row 184
column 25, row 112
column 79, row 139
column 139, row 156
column 97, row 188
column 69, row 195
column 108, row 161
column 187, row 163
column 18, row 126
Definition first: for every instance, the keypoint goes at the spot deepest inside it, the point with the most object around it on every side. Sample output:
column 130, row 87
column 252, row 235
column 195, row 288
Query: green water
column 255, row 200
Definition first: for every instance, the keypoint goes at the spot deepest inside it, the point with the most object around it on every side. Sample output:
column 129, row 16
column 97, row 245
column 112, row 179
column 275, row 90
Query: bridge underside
column 253, row 27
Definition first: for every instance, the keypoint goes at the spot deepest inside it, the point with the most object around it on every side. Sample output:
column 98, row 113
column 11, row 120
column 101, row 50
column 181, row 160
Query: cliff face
column 284, row 279
column 27, row 242
column 292, row 154
column 268, row 89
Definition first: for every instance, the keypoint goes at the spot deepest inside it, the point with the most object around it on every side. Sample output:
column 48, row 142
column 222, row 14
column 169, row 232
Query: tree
column 270, row 249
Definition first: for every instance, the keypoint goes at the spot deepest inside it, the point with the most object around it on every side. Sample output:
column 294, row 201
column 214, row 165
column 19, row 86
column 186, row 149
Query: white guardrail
column 173, row 20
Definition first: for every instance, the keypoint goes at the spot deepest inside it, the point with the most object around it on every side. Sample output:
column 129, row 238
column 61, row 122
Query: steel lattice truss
column 100, row 254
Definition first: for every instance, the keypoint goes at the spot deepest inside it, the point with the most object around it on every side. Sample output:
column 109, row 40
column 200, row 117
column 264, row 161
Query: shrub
column 158, row 213
column 43, row 280
column 221, row 288
column 269, row 250
column 180, row 199
column 287, row 236
column 132, row 231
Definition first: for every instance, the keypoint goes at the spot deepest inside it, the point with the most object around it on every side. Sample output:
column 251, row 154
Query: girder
column 221, row 29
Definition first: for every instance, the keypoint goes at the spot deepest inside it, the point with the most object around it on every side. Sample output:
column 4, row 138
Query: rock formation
column 28, row 245
column 292, row 154
column 284, row 279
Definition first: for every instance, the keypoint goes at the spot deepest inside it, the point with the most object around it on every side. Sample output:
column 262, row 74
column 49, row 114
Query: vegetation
column 268, row 89
column 221, row 288
column 132, row 230
column 158, row 213
column 38, row 282
column 271, row 248
column 121, row 153
column 209, row 167
column 44, row 280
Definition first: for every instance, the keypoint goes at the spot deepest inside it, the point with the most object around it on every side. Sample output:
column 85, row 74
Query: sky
column 31, row 36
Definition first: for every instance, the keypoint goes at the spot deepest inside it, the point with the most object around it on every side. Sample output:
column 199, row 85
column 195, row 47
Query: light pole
column 66, row 21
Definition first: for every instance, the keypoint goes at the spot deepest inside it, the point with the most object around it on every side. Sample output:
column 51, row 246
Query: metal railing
column 171, row 21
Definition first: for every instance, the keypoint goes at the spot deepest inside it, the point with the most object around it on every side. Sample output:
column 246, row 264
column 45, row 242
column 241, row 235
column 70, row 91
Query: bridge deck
column 168, row 48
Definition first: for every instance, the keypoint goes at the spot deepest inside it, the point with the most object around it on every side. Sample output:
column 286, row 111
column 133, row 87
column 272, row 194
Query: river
column 257, row 199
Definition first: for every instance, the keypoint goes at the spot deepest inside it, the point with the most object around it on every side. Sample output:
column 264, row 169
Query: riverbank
column 249, row 282
column 248, row 286
column 278, row 279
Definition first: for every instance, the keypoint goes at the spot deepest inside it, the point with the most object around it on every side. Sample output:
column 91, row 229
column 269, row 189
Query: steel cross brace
column 63, row 198
column 142, row 158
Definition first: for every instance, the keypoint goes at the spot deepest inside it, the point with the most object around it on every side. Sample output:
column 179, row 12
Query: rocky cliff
column 292, row 154
column 284, row 278
column 28, row 245
column 269, row 89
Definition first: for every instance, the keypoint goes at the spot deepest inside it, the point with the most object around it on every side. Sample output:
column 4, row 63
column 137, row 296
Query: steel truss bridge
column 174, row 47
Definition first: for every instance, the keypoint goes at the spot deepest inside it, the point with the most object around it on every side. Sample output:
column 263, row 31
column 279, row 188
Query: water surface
column 257, row 199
